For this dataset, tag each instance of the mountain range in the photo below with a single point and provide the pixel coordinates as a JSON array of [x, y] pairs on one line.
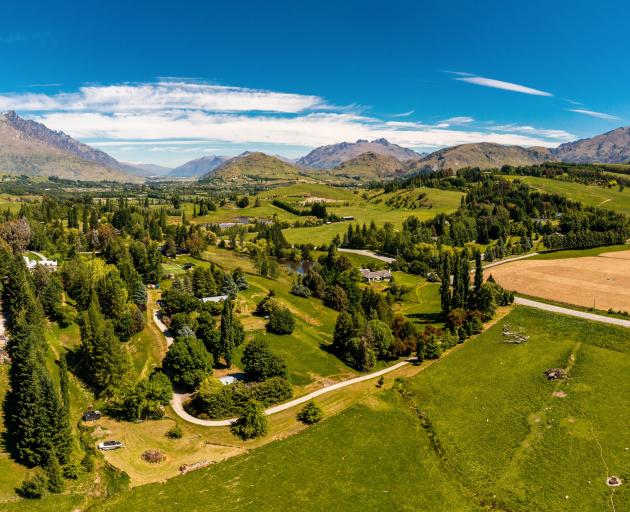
[[28, 147], [328, 157], [198, 167]]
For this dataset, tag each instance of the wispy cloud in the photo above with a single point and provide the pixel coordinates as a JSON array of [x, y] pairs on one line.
[[498, 84], [182, 117], [403, 114], [161, 96], [598, 115], [455, 121]]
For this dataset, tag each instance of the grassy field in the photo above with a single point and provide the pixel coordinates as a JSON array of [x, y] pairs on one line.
[[580, 253], [505, 433], [590, 195], [367, 458]]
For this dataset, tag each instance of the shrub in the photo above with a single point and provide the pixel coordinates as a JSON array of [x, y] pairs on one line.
[[311, 413], [252, 423], [34, 488], [301, 290], [72, 471], [175, 432], [281, 321]]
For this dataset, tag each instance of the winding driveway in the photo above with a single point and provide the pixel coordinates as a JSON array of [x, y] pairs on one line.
[[371, 254], [177, 402]]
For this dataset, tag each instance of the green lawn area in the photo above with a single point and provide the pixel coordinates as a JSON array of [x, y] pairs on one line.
[[580, 253], [503, 432], [590, 195], [371, 457]]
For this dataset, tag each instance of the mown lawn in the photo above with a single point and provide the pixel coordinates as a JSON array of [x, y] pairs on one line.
[[370, 457], [503, 432]]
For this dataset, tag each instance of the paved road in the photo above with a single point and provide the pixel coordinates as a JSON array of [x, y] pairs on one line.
[[178, 399], [371, 254], [572, 312]]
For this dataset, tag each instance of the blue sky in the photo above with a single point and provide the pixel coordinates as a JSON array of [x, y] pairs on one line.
[[164, 82]]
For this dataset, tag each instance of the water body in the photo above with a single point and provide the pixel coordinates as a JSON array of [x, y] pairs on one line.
[[301, 267]]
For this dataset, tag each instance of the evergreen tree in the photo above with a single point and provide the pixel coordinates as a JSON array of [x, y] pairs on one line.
[[445, 287], [105, 362], [478, 272], [231, 333]]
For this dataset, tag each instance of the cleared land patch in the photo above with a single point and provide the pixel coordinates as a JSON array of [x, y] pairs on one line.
[[600, 281]]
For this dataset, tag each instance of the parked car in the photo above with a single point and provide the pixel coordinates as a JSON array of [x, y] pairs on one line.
[[91, 416], [110, 445]]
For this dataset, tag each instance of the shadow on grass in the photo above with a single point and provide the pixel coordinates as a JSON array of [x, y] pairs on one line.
[[427, 318]]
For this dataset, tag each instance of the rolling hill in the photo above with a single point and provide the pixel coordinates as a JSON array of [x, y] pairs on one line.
[[328, 157], [484, 155], [252, 168], [198, 167], [30, 148]]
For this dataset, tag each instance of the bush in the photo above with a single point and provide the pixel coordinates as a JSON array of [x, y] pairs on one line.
[[175, 432], [153, 456], [252, 423], [301, 290], [72, 471], [311, 413], [33, 488], [281, 321], [213, 400]]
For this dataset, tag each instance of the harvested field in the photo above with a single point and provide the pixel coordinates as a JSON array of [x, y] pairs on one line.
[[602, 281]]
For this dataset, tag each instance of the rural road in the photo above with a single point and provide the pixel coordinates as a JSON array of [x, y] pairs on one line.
[[571, 312], [516, 258], [178, 399], [371, 254]]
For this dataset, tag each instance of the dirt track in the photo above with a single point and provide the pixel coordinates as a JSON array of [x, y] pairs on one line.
[[602, 281]]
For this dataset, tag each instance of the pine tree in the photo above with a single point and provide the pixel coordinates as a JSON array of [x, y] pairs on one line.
[[105, 361], [478, 272]]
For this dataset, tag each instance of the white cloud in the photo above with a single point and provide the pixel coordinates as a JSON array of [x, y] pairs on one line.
[[310, 130], [499, 84], [175, 119], [591, 113], [163, 95], [455, 121]]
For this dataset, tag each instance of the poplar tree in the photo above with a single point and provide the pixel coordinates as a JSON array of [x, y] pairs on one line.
[[232, 334]]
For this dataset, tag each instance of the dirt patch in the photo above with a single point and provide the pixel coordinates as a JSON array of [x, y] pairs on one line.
[[559, 394], [602, 281]]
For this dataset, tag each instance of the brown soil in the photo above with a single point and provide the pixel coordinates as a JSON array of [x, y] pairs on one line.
[[600, 280]]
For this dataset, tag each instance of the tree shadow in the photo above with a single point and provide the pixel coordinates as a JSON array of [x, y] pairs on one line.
[[427, 318]]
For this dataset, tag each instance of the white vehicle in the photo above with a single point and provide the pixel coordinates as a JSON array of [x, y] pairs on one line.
[[110, 445]]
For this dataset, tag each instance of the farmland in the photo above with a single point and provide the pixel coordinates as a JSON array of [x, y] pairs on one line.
[[600, 281]]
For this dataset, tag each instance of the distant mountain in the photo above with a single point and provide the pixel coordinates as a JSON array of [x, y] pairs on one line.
[[147, 170], [484, 155], [28, 147], [370, 166], [252, 168], [328, 157], [198, 167], [608, 148]]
